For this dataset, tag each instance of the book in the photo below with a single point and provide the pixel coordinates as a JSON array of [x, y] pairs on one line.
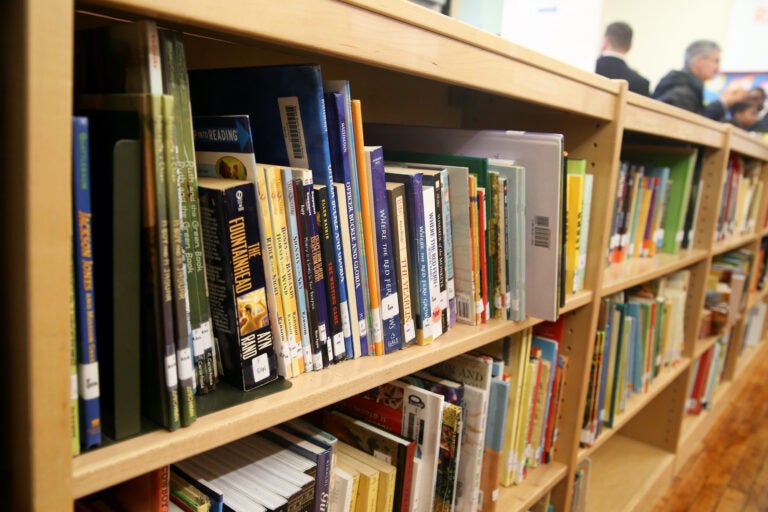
[[273, 180], [237, 282], [332, 287], [418, 266], [290, 191], [74, 412], [482, 246], [385, 498], [474, 371], [540, 151], [433, 263], [85, 298], [224, 149], [182, 329], [175, 83], [373, 440], [159, 375], [286, 108], [366, 499], [401, 249], [435, 180], [576, 170], [390, 314], [494, 442], [413, 412], [343, 163], [313, 272]]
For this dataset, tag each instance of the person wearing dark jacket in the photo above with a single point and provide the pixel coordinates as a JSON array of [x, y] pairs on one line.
[[685, 88], [616, 43]]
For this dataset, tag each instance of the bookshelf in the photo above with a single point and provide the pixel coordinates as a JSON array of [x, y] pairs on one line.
[[408, 65]]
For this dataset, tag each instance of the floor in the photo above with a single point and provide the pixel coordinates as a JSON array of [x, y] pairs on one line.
[[729, 472]]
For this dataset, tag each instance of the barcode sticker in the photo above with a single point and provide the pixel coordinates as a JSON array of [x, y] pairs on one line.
[[293, 131], [464, 308], [260, 365], [541, 231]]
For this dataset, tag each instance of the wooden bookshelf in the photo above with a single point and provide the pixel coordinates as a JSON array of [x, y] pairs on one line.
[[408, 65]]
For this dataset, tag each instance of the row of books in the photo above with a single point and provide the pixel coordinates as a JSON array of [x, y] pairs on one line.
[[727, 290], [440, 439], [705, 374], [261, 300], [641, 330], [754, 326], [655, 204], [741, 193]]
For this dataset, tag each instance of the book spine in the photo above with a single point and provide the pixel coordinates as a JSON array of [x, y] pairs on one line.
[[312, 264], [85, 300], [346, 243], [390, 314], [74, 408], [274, 299], [238, 284], [436, 182], [474, 237], [284, 267], [174, 58], [341, 165], [482, 235], [184, 364], [294, 233], [448, 247], [336, 343], [432, 259], [159, 261], [398, 227]]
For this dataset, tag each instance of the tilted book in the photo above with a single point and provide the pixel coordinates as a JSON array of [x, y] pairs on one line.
[[237, 282]]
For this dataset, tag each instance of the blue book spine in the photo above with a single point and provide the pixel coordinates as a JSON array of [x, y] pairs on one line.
[[298, 277], [418, 263], [448, 247], [638, 357], [340, 164], [390, 310], [604, 376], [85, 300]]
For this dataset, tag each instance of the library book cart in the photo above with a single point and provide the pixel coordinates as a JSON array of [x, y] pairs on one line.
[[408, 65]]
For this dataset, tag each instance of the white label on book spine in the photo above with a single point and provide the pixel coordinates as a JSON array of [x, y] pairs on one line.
[[444, 300], [73, 387], [322, 334], [382, 456], [450, 287], [293, 131], [378, 327], [346, 326], [293, 346], [410, 329], [260, 366], [389, 306], [582, 261], [184, 363], [171, 375], [89, 380], [363, 326], [198, 342], [624, 240], [309, 364], [338, 344], [679, 236]]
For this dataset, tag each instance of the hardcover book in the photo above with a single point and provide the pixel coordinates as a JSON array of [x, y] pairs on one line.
[[237, 282], [401, 249], [159, 375]]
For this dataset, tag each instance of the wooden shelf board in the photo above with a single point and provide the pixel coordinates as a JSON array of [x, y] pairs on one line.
[[626, 474], [646, 115], [577, 300], [749, 144], [704, 344], [732, 243], [109, 465], [635, 404], [538, 482], [620, 276], [391, 36]]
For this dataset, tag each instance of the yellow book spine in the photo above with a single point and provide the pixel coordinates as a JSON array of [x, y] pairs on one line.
[[573, 228], [276, 318], [284, 269]]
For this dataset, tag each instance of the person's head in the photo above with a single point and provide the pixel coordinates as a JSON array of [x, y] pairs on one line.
[[744, 114], [702, 58], [618, 37], [756, 96]]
